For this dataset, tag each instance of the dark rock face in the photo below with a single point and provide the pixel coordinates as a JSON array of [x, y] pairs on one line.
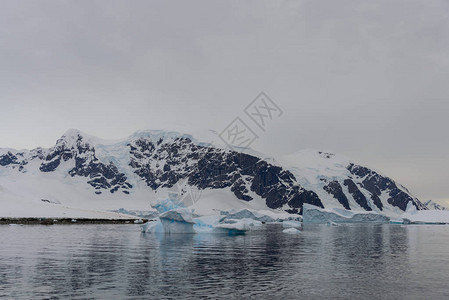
[[240, 191], [50, 166], [13, 160], [400, 199], [377, 184], [334, 188], [279, 187], [59, 152], [102, 176], [8, 159], [306, 197], [357, 194], [162, 164]]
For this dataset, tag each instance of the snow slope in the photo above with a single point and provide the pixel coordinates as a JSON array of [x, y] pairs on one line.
[[340, 183]]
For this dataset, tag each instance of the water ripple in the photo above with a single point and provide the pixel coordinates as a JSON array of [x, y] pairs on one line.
[[118, 262]]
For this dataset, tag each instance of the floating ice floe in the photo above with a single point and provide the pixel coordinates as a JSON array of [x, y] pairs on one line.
[[291, 231], [180, 220], [175, 218], [264, 216], [315, 215], [173, 222], [205, 224], [233, 228], [397, 221], [152, 227], [177, 221]]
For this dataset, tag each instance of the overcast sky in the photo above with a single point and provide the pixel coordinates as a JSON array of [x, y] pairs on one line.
[[367, 79]]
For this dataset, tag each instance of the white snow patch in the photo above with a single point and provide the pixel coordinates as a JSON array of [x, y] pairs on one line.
[[425, 216], [291, 231]]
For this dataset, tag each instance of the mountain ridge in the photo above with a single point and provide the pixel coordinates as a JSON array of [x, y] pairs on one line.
[[434, 206], [152, 161]]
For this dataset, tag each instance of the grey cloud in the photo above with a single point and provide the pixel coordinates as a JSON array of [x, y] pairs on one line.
[[362, 78]]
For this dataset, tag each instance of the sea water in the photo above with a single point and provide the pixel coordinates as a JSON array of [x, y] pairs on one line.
[[321, 262]]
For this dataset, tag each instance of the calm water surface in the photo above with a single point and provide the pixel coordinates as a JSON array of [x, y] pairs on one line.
[[119, 262]]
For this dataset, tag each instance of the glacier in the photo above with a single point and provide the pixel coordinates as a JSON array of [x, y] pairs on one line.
[[246, 214], [316, 215], [335, 216], [264, 216], [413, 216]]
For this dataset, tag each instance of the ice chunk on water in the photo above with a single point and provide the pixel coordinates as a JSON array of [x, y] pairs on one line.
[[172, 226], [247, 214], [179, 214], [180, 220], [150, 227], [291, 231], [397, 221], [315, 215], [232, 228], [177, 221], [291, 224], [206, 224]]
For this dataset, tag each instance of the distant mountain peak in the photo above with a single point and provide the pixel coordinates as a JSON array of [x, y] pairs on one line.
[[72, 132], [434, 206]]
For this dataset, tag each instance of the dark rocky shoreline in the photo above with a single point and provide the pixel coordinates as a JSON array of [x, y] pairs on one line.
[[64, 221]]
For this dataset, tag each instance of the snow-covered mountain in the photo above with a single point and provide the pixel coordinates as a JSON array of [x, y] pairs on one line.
[[434, 206], [89, 173]]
